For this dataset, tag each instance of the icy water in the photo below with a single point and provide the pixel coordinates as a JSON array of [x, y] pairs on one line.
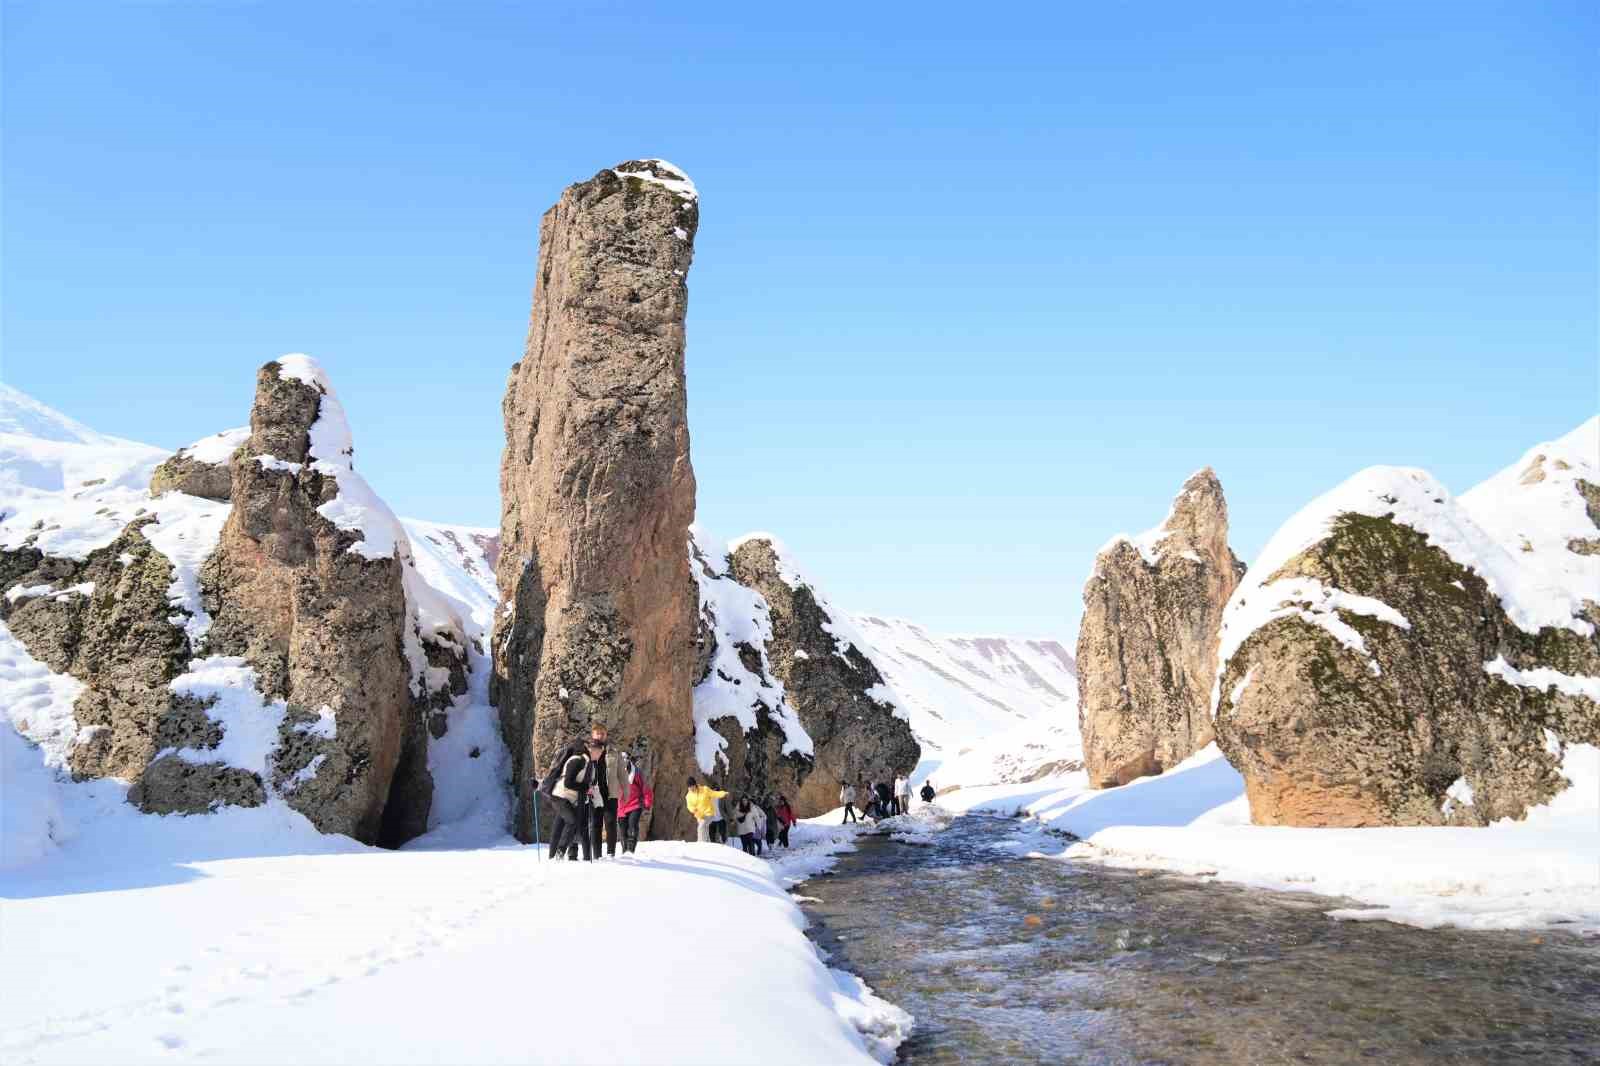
[[1004, 959]]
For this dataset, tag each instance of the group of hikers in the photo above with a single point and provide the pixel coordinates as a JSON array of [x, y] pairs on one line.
[[590, 789], [764, 823], [881, 799], [595, 792]]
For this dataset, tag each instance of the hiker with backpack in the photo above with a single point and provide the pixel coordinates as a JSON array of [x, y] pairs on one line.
[[884, 795], [702, 803], [570, 796], [847, 796], [597, 735], [786, 818], [633, 799]]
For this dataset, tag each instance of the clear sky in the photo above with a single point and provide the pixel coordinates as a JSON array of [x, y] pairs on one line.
[[974, 288]]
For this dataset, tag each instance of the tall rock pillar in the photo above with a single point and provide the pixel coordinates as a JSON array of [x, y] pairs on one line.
[[598, 608], [1147, 646]]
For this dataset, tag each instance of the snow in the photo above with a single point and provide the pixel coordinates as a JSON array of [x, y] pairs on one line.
[[1534, 510], [249, 723], [1543, 677], [187, 531], [679, 184], [739, 615], [217, 448], [1410, 497], [1195, 819], [245, 936], [64, 488]]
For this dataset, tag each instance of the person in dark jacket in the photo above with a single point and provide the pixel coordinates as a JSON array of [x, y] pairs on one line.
[[785, 818], [769, 808], [883, 793], [597, 733], [570, 798], [927, 792], [604, 811]]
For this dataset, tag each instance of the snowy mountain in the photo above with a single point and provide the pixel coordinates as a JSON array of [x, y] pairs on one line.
[[985, 708]]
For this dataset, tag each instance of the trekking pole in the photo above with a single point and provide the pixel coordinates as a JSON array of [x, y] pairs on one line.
[[536, 823]]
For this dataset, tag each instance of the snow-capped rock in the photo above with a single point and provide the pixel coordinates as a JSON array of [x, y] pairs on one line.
[[1147, 644], [1386, 645]]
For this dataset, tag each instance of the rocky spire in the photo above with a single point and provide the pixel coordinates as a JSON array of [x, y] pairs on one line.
[[1147, 645], [597, 619], [306, 586]]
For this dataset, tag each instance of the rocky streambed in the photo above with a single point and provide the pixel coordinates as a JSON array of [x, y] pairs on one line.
[[1003, 958]]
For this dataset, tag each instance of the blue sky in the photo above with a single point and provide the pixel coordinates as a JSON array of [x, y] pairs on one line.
[[974, 289]]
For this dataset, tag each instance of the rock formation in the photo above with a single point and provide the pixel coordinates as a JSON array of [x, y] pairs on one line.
[[307, 587], [836, 691], [270, 647], [748, 736], [1390, 662], [597, 619], [202, 469], [1147, 645]]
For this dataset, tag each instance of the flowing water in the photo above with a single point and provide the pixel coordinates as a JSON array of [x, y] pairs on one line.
[[1004, 959]]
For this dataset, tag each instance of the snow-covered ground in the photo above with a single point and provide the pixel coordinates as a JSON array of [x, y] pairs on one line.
[[1194, 818], [157, 940]]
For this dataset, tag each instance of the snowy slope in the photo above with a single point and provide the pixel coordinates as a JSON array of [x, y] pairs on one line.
[[986, 709], [1534, 509]]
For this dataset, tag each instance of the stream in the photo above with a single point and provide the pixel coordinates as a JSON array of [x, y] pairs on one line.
[[1002, 958]]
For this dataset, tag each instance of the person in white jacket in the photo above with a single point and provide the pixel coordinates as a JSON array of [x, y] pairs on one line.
[[751, 825], [847, 796], [902, 794]]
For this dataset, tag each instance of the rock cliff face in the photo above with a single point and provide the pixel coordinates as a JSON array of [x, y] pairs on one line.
[[597, 619], [306, 586], [1147, 644], [1390, 662], [836, 691]]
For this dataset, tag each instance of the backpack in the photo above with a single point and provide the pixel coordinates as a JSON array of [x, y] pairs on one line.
[[548, 784], [927, 793]]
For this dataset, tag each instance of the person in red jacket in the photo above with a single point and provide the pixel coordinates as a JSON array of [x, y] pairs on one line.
[[786, 818], [636, 798]]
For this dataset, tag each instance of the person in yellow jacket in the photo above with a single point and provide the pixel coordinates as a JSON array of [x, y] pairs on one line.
[[702, 803]]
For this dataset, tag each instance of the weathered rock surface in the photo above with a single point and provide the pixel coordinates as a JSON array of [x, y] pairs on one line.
[[1388, 662], [836, 691], [597, 619], [202, 469], [307, 586], [104, 620], [1147, 645], [749, 740]]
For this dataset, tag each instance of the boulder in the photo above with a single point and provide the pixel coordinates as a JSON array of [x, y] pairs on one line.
[[202, 469], [1147, 644], [597, 616], [1391, 661]]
